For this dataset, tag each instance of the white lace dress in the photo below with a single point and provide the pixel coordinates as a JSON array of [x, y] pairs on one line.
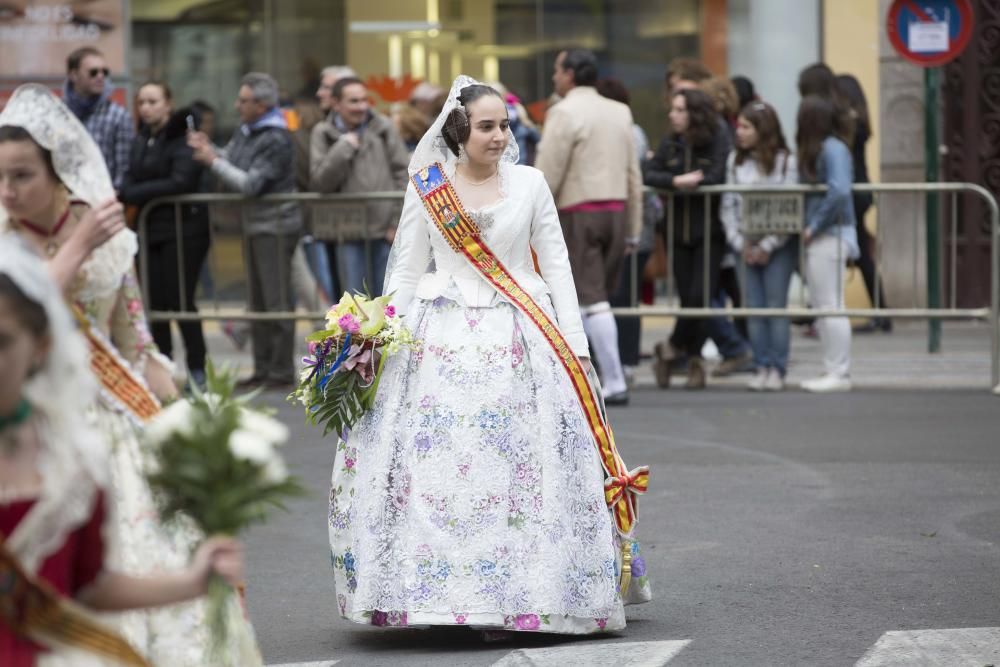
[[472, 493]]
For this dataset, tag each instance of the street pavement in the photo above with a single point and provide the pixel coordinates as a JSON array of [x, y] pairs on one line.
[[780, 529]]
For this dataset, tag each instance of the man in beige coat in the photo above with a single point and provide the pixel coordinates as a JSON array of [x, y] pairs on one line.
[[358, 150], [588, 157]]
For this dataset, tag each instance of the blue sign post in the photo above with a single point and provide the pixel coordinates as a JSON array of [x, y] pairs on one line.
[[930, 33]]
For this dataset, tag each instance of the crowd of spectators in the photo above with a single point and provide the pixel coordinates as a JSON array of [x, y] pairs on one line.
[[718, 130]]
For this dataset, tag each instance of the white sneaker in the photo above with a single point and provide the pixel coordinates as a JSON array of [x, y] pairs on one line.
[[774, 381], [758, 380], [827, 383]]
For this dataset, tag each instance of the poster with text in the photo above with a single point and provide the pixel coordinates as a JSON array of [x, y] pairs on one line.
[[37, 35]]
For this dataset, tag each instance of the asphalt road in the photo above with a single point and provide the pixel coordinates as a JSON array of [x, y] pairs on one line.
[[787, 529]]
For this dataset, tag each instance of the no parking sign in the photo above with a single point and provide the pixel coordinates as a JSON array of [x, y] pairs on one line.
[[930, 32]]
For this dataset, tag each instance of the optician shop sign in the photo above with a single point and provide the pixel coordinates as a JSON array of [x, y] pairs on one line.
[[930, 33], [36, 36]]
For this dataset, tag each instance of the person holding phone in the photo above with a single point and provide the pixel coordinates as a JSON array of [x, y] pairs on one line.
[[161, 164]]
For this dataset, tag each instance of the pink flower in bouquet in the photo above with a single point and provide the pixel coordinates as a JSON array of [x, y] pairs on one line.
[[349, 323], [313, 346], [390, 311]]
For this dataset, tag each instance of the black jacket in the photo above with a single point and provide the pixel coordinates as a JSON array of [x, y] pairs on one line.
[[673, 158], [162, 165]]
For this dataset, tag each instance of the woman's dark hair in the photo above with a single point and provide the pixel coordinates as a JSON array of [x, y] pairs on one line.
[[584, 66], [168, 94], [613, 89], [18, 133], [703, 121], [744, 90], [850, 89], [818, 79], [770, 139], [456, 127], [815, 123], [30, 314]]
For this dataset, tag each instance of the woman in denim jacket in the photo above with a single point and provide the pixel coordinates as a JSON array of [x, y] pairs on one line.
[[762, 158], [829, 234]]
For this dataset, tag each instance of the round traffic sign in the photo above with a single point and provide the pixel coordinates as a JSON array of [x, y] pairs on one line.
[[930, 32]]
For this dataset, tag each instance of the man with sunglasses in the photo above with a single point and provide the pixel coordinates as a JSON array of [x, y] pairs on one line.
[[87, 92]]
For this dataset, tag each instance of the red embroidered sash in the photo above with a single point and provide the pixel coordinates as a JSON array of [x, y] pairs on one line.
[[441, 201], [119, 383]]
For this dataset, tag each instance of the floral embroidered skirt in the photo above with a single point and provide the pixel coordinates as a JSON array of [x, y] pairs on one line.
[[139, 544], [472, 493]]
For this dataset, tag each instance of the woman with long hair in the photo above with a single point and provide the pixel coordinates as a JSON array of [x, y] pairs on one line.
[[851, 91], [829, 234], [693, 154], [57, 197], [471, 493], [162, 165], [762, 158]]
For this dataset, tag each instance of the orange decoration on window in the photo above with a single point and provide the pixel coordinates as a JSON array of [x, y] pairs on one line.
[[391, 89]]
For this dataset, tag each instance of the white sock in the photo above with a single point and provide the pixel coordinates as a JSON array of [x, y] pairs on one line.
[[600, 327]]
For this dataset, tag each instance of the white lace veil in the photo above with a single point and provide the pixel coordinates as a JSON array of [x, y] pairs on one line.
[[74, 460], [432, 148], [80, 166]]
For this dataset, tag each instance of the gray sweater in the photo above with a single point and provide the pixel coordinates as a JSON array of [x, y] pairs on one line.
[[260, 160], [378, 164]]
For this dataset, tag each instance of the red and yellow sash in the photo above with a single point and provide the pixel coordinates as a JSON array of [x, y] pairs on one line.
[[32, 609], [622, 485], [119, 383]]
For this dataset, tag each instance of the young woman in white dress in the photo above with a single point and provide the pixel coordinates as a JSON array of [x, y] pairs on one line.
[[57, 197], [472, 493]]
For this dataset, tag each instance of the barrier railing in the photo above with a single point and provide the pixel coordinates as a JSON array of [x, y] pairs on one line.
[[346, 203]]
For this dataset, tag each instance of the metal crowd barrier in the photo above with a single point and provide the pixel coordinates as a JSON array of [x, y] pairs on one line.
[[786, 206]]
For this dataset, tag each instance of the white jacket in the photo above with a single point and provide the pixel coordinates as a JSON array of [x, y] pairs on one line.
[[523, 220]]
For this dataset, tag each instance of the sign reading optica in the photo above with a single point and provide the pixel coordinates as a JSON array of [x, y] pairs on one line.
[[930, 32]]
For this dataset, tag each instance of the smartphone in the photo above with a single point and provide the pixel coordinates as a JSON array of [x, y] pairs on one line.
[[190, 123]]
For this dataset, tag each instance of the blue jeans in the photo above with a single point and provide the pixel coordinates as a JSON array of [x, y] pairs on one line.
[[767, 286], [319, 264], [358, 270], [723, 332]]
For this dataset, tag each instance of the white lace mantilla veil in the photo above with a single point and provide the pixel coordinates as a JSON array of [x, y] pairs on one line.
[[74, 459], [80, 166], [432, 148]]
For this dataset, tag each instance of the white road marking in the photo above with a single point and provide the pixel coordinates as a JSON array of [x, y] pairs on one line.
[[974, 647], [620, 654], [320, 663]]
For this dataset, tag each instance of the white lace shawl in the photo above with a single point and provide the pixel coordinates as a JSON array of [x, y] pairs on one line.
[[73, 461], [80, 166]]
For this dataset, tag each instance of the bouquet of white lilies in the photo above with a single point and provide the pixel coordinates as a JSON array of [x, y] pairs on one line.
[[216, 463]]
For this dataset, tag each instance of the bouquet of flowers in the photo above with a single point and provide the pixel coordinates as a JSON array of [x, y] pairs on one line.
[[341, 374], [215, 463]]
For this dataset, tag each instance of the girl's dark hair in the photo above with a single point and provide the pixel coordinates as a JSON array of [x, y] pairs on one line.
[[851, 91], [815, 123], [30, 314], [456, 127], [18, 133], [770, 139], [744, 90], [613, 89], [818, 79], [703, 121]]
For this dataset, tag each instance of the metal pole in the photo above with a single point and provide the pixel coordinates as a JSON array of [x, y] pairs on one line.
[[931, 77]]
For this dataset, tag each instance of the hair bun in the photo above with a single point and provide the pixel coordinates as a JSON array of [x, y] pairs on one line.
[[456, 129]]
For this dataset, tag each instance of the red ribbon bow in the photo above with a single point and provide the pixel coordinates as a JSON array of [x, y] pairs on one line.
[[620, 493]]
